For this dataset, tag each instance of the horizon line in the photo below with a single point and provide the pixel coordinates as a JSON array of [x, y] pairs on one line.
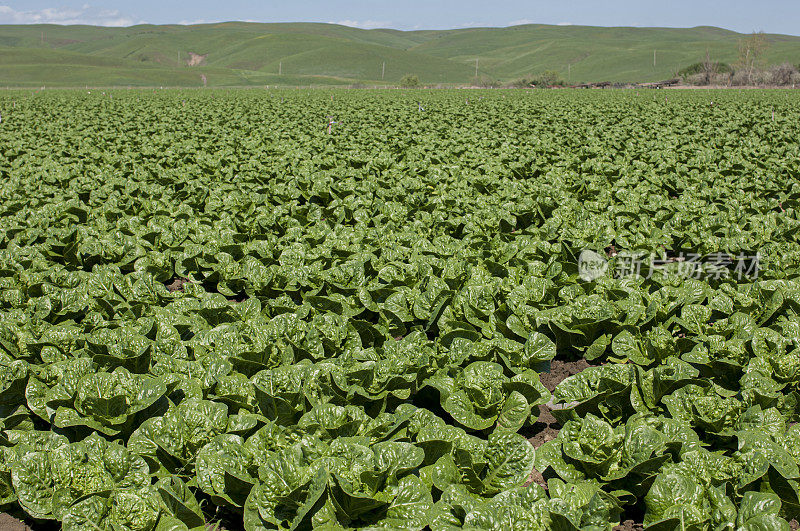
[[388, 28]]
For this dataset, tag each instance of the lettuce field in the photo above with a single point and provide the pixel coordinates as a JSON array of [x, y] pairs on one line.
[[485, 310]]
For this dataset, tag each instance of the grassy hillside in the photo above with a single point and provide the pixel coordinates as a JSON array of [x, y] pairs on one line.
[[238, 53], [593, 53]]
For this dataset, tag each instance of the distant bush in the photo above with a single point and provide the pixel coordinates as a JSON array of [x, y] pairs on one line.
[[782, 74], [695, 79], [409, 81], [522, 82], [483, 81], [700, 68], [702, 79], [740, 78], [743, 78], [549, 78]]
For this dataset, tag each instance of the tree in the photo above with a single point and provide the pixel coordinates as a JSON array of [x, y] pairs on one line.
[[548, 78], [700, 69], [409, 81], [751, 54], [709, 69]]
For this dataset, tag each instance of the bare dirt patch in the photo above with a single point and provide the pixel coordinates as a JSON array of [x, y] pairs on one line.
[[195, 59], [629, 525], [9, 523], [560, 371], [546, 427], [176, 284]]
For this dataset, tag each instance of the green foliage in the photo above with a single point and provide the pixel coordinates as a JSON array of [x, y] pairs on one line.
[[409, 81], [522, 82], [549, 78], [700, 68], [358, 318]]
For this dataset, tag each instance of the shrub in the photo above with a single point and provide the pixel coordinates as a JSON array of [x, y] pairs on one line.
[[522, 82], [700, 68], [483, 81], [409, 81], [548, 78], [782, 74], [702, 79]]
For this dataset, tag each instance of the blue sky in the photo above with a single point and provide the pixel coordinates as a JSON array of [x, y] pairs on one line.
[[773, 16]]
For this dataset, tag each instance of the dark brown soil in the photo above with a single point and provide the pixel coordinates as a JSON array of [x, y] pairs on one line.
[[561, 370], [9, 523], [538, 478], [546, 428], [176, 284], [628, 525]]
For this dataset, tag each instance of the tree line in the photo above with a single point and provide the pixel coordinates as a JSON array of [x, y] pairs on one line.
[[750, 69]]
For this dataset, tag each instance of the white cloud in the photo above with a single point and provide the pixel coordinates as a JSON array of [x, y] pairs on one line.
[[363, 24], [201, 21], [565, 24], [521, 22], [470, 25], [66, 16], [195, 22]]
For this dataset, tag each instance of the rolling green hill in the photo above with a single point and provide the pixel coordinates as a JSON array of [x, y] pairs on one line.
[[238, 53]]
